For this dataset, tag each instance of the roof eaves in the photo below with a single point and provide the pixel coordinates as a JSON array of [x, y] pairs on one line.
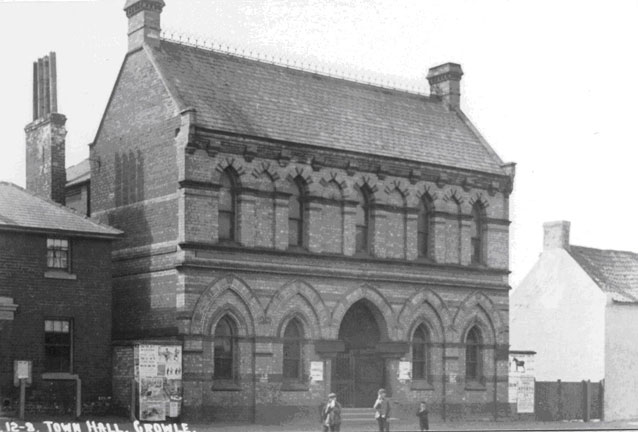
[[114, 234]]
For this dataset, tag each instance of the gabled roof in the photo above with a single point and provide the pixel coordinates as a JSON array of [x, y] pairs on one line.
[[78, 173], [615, 272], [21, 210], [238, 95]]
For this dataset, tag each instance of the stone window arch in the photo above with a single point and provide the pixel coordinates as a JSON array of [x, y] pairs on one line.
[[293, 339], [425, 237], [474, 355], [225, 349], [296, 214], [227, 210], [421, 348]]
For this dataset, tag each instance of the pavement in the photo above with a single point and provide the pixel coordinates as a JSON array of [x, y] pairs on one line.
[[118, 424]]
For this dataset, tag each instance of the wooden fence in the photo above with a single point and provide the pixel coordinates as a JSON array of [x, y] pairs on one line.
[[569, 400]]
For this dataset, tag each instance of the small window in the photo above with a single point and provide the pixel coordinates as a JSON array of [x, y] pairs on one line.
[[362, 221], [293, 358], [420, 354], [224, 349], [295, 216], [477, 235], [473, 364], [58, 254], [424, 228], [58, 346], [227, 207]]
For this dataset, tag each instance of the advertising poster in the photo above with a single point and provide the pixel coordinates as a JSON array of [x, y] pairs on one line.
[[525, 399], [316, 371], [521, 369], [158, 370], [405, 370]]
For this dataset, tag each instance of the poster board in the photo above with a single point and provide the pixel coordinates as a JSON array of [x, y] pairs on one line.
[[521, 380], [405, 370], [316, 370], [158, 372]]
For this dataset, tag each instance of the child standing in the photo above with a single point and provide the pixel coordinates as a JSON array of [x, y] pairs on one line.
[[422, 414]]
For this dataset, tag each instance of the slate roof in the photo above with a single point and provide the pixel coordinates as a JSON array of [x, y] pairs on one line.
[[238, 95], [24, 211], [78, 173], [615, 272]]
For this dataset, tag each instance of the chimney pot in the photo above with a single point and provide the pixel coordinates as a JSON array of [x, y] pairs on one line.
[[556, 235], [445, 82]]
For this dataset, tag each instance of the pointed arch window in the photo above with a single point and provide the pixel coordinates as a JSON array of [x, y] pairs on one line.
[[225, 351], [478, 235], [421, 353], [362, 223], [227, 219], [424, 228], [293, 351], [473, 363], [296, 215]]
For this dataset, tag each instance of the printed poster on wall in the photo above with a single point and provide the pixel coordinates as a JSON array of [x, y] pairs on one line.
[[405, 370], [316, 371], [520, 365], [158, 369], [525, 399]]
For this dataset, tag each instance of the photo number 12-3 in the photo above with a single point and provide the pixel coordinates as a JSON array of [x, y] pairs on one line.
[[15, 427]]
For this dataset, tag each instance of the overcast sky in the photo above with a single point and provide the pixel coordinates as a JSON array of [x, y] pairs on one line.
[[552, 85]]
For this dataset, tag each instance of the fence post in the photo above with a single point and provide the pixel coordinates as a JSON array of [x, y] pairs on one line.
[[559, 392], [587, 400], [601, 398]]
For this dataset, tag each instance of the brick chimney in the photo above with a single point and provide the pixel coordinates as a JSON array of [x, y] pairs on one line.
[[556, 235], [143, 22], [445, 82], [46, 135]]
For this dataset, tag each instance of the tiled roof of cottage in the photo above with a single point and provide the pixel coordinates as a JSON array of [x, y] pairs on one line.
[[615, 272], [78, 173], [22, 210], [238, 95]]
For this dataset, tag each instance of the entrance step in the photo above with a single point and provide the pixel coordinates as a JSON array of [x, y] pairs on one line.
[[359, 415]]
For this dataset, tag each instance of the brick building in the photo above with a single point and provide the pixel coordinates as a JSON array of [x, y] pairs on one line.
[[279, 221], [55, 301], [55, 273]]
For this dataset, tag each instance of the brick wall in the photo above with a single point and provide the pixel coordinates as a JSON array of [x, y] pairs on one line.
[[86, 300]]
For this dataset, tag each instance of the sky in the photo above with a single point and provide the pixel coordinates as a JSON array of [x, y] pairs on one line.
[[551, 84]]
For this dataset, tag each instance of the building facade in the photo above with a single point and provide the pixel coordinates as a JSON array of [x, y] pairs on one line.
[[299, 234], [55, 303], [590, 293]]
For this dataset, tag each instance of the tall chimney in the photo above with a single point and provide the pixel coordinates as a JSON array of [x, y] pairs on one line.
[[143, 22], [556, 235], [46, 135], [445, 82]]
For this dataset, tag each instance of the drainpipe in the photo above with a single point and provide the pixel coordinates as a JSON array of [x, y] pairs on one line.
[[444, 402], [495, 382], [254, 367]]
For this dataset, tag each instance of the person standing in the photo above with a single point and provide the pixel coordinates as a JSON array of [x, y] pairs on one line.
[[331, 414], [382, 414], [422, 414]]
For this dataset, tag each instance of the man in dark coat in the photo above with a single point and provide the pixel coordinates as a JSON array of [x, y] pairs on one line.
[[382, 411], [330, 414]]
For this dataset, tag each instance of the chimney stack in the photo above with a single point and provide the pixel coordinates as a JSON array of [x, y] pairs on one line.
[[46, 135], [143, 22], [556, 235], [445, 82]]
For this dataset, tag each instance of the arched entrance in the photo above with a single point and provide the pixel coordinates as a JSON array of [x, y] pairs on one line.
[[359, 371]]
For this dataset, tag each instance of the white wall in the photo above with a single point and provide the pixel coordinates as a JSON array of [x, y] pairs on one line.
[[559, 312], [621, 362]]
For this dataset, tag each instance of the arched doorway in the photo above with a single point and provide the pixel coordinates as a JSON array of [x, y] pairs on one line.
[[359, 371]]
